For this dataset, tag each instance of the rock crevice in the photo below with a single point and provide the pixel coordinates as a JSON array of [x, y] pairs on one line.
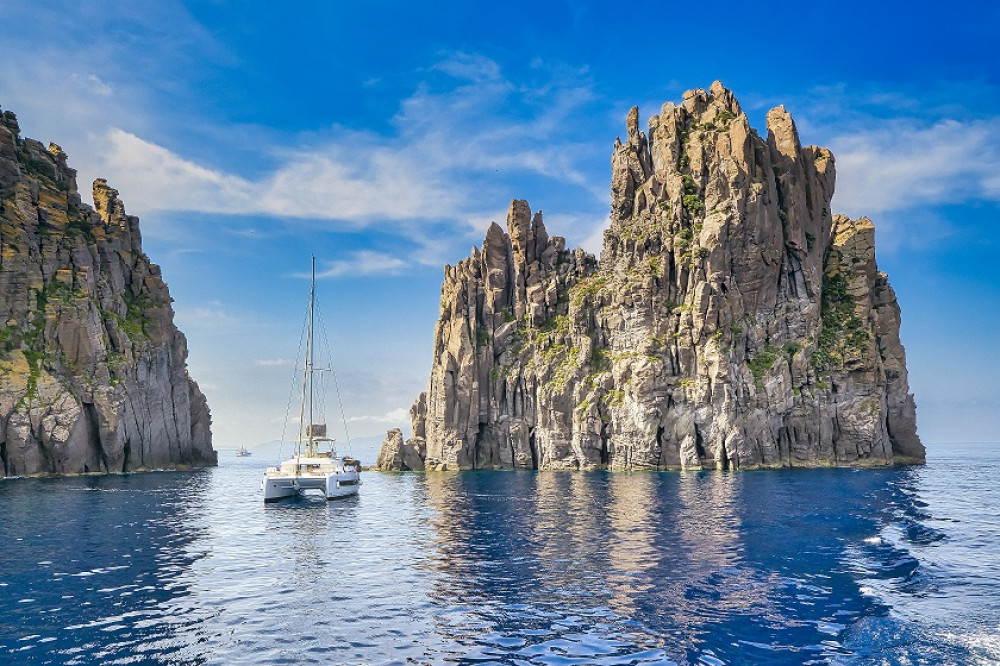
[[732, 322]]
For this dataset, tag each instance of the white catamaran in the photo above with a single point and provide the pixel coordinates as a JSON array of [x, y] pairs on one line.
[[311, 468]]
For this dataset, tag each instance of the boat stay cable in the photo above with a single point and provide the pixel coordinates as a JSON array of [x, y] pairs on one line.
[[325, 340], [291, 389]]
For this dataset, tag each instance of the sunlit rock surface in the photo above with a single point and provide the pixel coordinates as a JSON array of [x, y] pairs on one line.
[[733, 321], [93, 374]]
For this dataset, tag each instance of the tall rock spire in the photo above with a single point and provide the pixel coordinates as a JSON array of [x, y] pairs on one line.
[[732, 322], [94, 375]]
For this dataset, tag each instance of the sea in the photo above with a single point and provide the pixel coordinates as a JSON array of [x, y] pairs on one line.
[[829, 566]]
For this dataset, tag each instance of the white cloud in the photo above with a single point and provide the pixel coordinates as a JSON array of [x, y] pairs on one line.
[[400, 415], [470, 66], [594, 243], [151, 177], [365, 262], [901, 149], [579, 230], [992, 187], [211, 315], [912, 229], [898, 164], [273, 362], [328, 184], [458, 149], [68, 85], [451, 153]]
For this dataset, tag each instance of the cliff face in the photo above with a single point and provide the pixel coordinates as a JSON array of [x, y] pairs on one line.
[[732, 321], [92, 370]]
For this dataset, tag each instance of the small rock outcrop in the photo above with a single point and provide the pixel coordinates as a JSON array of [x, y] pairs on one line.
[[93, 374], [396, 454], [732, 321]]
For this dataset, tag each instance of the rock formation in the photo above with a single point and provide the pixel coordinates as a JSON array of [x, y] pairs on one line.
[[732, 322], [93, 374], [396, 454]]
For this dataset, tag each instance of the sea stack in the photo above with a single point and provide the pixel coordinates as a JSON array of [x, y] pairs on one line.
[[93, 373], [732, 322]]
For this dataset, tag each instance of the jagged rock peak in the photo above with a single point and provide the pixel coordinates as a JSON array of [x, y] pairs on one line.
[[395, 454], [732, 322], [106, 202], [94, 375]]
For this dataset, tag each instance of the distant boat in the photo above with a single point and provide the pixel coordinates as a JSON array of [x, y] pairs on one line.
[[243, 452], [311, 468]]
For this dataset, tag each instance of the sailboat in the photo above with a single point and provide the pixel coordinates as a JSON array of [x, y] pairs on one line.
[[243, 452], [315, 465]]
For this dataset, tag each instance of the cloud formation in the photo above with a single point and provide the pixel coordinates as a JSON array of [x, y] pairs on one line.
[[449, 147], [365, 262], [273, 362], [895, 164], [400, 415]]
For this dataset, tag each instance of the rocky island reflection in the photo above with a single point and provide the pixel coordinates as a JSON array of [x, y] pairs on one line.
[[830, 566], [651, 566]]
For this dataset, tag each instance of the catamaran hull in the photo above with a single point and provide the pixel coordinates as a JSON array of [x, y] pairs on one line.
[[334, 486]]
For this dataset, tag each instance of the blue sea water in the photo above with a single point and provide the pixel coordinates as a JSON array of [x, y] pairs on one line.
[[835, 566]]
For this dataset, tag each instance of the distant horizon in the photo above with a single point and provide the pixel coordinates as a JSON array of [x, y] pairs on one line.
[[248, 137]]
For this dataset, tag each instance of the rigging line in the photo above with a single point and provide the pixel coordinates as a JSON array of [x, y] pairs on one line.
[[322, 380], [291, 390], [336, 384], [310, 366]]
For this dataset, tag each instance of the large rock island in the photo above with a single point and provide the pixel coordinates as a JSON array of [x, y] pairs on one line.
[[732, 322], [93, 374]]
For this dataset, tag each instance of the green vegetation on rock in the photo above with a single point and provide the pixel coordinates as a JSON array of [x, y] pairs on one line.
[[693, 204], [482, 337], [647, 356], [763, 361], [587, 289], [843, 330]]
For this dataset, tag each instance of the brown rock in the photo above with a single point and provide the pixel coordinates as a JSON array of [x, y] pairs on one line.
[[397, 455], [732, 322], [94, 375]]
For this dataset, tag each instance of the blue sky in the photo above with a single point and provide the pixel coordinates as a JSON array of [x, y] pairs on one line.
[[384, 136]]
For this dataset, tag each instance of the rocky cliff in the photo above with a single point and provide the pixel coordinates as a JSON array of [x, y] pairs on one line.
[[94, 375], [732, 321]]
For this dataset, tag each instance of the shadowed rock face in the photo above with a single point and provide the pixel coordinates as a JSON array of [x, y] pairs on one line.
[[732, 322], [93, 374]]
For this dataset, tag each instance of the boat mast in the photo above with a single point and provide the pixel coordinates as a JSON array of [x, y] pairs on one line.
[[309, 362]]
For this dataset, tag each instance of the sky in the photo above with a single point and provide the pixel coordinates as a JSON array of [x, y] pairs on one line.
[[383, 137]]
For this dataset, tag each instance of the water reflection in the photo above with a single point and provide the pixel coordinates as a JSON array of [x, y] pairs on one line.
[[608, 559], [310, 528], [567, 524], [628, 568], [633, 516], [502, 568]]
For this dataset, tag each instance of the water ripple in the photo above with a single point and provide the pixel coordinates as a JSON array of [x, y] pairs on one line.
[[821, 567]]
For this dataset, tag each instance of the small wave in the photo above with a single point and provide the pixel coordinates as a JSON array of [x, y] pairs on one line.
[[918, 533], [983, 646]]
